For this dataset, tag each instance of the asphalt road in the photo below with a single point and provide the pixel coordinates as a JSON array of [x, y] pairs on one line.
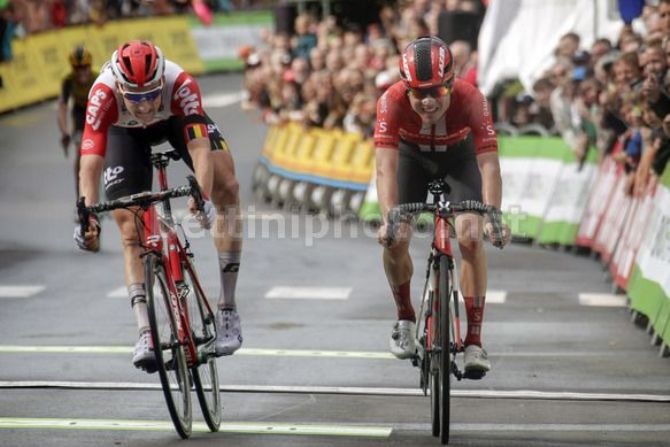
[[312, 371]]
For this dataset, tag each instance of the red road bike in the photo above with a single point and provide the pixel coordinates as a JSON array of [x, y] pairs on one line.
[[182, 324], [438, 325]]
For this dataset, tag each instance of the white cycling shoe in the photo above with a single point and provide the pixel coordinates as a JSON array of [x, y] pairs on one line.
[[144, 357], [476, 360], [403, 342], [228, 332]]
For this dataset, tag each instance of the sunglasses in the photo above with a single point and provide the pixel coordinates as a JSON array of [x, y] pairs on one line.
[[150, 95], [433, 92]]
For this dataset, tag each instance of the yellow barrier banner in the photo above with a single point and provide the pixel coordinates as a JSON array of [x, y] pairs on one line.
[[41, 61]]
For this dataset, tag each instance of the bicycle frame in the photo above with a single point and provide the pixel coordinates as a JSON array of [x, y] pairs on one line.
[[175, 258]]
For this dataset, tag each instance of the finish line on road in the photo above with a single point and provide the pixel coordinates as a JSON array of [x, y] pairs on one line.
[[263, 352], [8, 349], [226, 427], [365, 391]]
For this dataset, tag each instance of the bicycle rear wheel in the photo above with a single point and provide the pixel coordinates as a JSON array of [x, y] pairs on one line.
[[170, 358], [444, 365], [204, 372]]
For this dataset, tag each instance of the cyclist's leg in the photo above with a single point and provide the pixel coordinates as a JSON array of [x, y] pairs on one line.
[[227, 233], [128, 171], [465, 179], [412, 187]]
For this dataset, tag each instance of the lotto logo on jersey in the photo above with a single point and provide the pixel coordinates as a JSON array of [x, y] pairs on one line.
[[93, 115], [188, 101]]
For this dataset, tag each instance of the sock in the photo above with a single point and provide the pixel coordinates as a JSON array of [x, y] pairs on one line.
[[138, 301], [403, 302], [229, 262], [474, 308]]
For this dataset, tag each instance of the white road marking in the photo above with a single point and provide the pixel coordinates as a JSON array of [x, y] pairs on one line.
[[221, 100], [20, 291], [380, 391], [483, 428], [496, 296], [278, 352], [602, 300], [309, 293], [282, 429], [122, 292]]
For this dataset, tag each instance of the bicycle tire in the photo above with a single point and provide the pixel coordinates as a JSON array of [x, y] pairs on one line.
[[204, 371], [170, 357], [445, 350], [433, 376]]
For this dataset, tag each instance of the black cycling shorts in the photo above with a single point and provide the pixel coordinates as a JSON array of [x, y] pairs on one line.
[[128, 167], [457, 165]]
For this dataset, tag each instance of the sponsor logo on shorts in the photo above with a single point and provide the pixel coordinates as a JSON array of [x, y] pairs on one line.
[[111, 176]]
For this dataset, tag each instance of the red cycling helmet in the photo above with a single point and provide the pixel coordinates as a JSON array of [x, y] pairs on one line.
[[137, 64], [426, 62]]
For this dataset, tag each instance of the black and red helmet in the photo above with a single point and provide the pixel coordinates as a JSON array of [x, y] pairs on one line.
[[426, 62], [137, 64]]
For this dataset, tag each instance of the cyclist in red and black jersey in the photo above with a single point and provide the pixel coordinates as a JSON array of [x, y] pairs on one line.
[[141, 100], [430, 125], [76, 85]]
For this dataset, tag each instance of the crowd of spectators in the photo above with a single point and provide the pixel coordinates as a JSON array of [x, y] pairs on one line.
[[613, 94], [19, 18], [330, 74]]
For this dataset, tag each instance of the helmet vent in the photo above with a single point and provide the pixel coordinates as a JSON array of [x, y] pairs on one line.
[[147, 65], [422, 59], [128, 65]]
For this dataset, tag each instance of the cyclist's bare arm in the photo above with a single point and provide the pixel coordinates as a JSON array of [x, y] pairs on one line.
[[62, 116], [387, 191], [200, 151], [90, 170], [489, 166]]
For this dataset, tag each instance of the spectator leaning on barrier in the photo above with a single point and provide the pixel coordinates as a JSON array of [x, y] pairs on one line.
[[75, 86]]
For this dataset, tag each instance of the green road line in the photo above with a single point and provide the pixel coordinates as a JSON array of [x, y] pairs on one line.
[[253, 352], [231, 427]]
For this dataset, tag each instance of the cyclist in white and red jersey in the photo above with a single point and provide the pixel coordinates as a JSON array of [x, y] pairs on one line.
[[140, 100], [430, 125]]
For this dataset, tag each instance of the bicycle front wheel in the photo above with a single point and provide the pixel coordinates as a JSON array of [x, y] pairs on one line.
[[444, 365], [203, 370], [431, 357], [170, 358]]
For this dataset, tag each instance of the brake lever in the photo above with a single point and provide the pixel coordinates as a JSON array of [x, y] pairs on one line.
[[83, 213]]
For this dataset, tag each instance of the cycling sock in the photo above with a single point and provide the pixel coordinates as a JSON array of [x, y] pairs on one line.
[[474, 308], [229, 263], [403, 302], [138, 301]]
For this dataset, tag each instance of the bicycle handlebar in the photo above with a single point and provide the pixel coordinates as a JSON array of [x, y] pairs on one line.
[[142, 199], [399, 212]]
